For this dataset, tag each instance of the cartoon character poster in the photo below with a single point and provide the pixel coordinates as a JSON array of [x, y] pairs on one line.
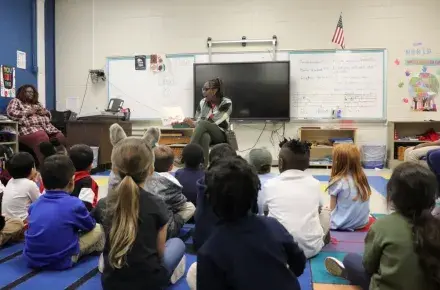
[[7, 81], [422, 78]]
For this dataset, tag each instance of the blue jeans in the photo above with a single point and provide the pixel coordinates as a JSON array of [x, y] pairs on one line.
[[356, 273], [174, 251]]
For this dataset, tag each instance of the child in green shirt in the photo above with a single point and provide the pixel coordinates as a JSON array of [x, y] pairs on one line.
[[402, 250]]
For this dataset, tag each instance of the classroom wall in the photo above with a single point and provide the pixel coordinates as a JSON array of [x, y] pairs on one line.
[[17, 29], [89, 31], [23, 25]]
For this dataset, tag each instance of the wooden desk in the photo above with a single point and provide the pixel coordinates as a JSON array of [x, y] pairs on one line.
[[95, 133]]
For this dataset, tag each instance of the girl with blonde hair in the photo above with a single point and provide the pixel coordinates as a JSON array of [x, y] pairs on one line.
[[136, 253], [349, 190]]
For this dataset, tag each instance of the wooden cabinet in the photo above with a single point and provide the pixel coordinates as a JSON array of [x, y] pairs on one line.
[[95, 133], [322, 147]]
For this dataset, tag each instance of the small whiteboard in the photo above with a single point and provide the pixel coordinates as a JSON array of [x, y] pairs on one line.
[[352, 81], [147, 93]]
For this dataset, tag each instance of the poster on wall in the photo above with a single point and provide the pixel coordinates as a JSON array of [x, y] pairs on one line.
[[157, 63], [7, 81], [21, 59], [421, 71], [140, 62]]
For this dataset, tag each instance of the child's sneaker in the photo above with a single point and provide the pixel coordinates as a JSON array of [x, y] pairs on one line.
[[179, 271], [335, 267]]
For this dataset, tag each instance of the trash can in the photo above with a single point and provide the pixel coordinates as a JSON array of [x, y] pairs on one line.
[[374, 156]]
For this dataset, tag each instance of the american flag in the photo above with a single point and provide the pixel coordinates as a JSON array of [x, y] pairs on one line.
[[338, 36]]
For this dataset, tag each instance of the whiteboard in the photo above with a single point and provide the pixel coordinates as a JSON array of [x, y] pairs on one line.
[[320, 82], [350, 81], [146, 93]]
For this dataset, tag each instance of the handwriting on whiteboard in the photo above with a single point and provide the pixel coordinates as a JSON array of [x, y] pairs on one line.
[[321, 83]]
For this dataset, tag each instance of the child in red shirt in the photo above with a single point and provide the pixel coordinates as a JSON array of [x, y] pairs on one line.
[[86, 188]]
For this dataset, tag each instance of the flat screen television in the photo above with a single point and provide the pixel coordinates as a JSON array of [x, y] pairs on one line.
[[258, 90]]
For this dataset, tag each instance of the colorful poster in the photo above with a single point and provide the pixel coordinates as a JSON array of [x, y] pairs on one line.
[[7, 81], [423, 88], [423, 84], [157, 63]]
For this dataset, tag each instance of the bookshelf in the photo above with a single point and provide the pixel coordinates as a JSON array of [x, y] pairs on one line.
[[402, 135], [321, 150]]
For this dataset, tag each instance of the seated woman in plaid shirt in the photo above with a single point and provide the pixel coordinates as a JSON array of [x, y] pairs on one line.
[[34, 125]]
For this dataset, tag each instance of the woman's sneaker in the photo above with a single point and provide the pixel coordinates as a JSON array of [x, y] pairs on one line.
[[179, 271], [335, 267]]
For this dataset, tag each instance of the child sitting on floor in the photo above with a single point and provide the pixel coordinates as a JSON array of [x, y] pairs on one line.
[[47, 149], [349, 190], [261, 160], [402, 250], [11, 229], [294, 198], [61, 229], [246, 251], [192, 157], [136, 253], [205, 218], [86, 188], [163, 184], [21, 190]]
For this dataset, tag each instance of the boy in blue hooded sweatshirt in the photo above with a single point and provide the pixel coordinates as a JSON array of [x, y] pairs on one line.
[[61, 229]]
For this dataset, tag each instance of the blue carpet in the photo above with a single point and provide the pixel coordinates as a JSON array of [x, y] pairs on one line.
[[322, 178], [305, 280], [9, 250], [60, 279], [104, 173], [320, 274], [13, 270], [92, 284], [379, 184]]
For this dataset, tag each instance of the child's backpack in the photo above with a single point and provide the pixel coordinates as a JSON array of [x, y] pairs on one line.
[[6, 153]]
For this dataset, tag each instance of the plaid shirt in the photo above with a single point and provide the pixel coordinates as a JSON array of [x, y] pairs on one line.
[[29, 120]]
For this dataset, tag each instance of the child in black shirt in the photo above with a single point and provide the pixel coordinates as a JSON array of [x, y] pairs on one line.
[[136, 255], [245, 251]]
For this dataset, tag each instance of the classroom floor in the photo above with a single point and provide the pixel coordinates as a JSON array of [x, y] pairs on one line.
[[85, 275]]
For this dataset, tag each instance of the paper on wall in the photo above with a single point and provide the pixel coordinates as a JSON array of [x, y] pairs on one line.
[[7, 81], [172, 115], [21, 59], [72, 104]]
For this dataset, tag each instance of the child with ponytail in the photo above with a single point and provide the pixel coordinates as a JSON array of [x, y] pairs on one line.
[[136, 253], [349, 190], [402, 250]]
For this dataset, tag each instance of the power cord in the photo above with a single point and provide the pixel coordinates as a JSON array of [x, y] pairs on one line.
[[258, 139], [85, 93]]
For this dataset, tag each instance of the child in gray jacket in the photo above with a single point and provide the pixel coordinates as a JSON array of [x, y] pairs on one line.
[[165, 185]]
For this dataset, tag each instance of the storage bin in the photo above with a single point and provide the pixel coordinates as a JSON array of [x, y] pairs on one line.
[[374, 156]]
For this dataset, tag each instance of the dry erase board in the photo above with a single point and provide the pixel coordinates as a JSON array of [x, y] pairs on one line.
[[352, 81], [146, 92]]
